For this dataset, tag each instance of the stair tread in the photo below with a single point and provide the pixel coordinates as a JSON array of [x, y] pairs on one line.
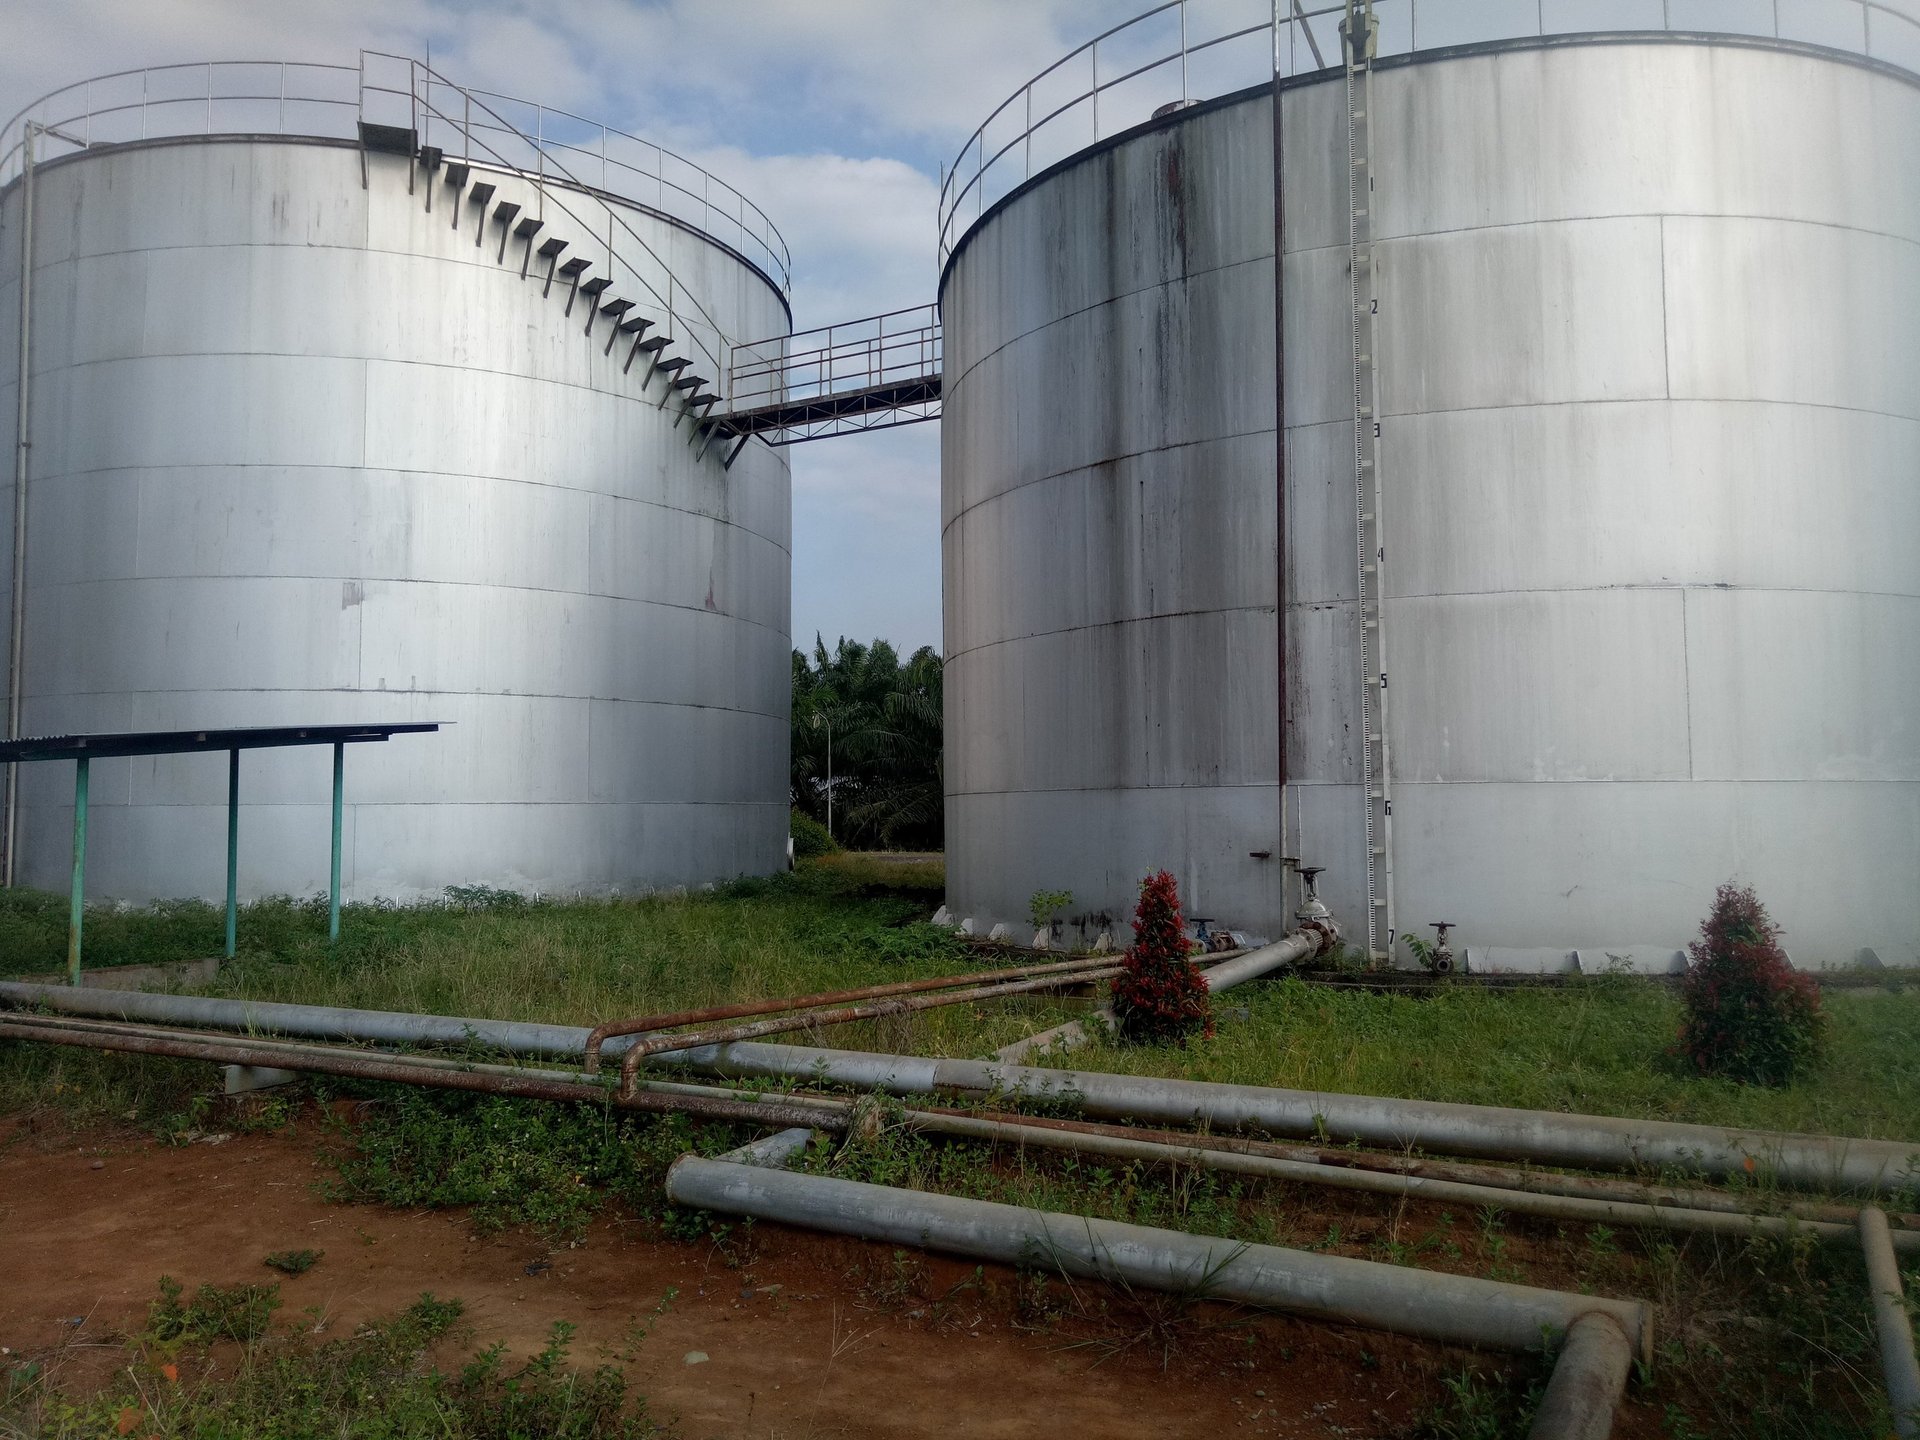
[[551, 246]]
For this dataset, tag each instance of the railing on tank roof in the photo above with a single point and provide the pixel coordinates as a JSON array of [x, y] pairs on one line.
[[286, 97], [1185, 51]]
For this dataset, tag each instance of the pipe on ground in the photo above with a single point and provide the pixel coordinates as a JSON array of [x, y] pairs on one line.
[[1588, 1380], [1413, 1187], [1814, 1162], [713, 1014], [1454, 1309], [1500, 1177], [1808, 1162], [1266, 1162], [1891, 1324], [1289, 950]]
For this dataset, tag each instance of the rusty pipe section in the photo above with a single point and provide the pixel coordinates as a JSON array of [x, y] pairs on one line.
[[1313, 938], [1496, 1177], [1121, 1145], [1540, 1137], [410, 1070], [1478, 1186], [661, 1044], [643, 1024], [1812, 1162]]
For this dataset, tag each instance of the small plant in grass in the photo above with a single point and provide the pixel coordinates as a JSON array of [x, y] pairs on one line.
[[1159, 996], [216, 1312], [1042, 904], [293, 1262], [1750, 1016]]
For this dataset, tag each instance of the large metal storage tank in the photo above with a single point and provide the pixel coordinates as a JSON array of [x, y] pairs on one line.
[[1650, 407], [306, 446]]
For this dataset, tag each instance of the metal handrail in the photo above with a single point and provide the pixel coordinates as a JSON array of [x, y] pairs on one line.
[[423, 110], [327, 100], [852, 355], [723, 212], [1287, 33]]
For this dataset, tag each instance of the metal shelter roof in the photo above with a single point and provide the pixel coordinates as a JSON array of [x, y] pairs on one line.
[[180, 742]]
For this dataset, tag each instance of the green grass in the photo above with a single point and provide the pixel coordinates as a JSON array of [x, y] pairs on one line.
[[1804, 1369], [843, 921], [379, 1383], [1596, 1047]]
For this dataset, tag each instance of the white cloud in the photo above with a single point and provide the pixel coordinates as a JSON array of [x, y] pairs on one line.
[[827, 113]]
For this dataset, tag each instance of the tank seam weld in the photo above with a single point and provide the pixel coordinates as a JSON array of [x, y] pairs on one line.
[[1396, 240], [447, 584]]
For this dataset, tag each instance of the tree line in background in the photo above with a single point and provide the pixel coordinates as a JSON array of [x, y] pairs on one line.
[[880, 718]]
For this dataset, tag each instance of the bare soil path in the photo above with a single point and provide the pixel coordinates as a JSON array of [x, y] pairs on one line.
[[804, 1336]]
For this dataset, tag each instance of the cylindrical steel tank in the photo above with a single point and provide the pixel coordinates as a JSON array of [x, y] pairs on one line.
[[1650, 410], [314, 438]]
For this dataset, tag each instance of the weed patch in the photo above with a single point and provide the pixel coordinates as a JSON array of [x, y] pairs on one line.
[[552, 1168], [377, 1383]]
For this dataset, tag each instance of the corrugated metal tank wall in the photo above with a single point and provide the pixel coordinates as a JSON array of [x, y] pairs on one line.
[[1651, 407], [302, 451]]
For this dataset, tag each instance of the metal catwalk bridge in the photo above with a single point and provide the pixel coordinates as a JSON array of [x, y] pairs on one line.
[[869, 374]]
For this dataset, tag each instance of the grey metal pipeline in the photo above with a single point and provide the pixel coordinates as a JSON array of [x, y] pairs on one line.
[[1290, 949], [409, 1070], [1890, 1323], [1413, 1187], [1488, 1187], [1809, 1162], [1587, 1382], [1500, 1177], [1454, 1309], [1814, 1162]]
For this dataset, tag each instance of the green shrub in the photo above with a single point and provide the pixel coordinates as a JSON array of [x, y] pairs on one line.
[[1750, 1016], [810, 837]]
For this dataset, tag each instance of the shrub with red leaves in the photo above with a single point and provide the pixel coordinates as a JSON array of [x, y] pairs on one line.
[[1750, 1016], [1160, 996]]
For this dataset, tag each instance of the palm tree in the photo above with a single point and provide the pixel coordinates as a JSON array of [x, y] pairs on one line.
[[884, 718]]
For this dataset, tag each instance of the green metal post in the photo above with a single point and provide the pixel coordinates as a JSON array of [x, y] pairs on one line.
[[233, 849], [333, 893], [76, 911]]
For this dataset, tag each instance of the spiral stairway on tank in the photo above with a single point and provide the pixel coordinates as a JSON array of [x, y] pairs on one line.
[[467, 186]]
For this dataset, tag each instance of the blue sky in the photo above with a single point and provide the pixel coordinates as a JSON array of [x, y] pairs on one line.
[[833, 115]]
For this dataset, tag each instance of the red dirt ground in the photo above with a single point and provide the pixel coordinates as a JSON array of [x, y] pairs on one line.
[[811, 1337]]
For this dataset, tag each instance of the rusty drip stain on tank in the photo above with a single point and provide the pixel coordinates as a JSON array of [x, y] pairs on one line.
[[1171, 174]]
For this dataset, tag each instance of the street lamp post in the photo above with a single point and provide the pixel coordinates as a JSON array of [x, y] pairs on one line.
[[818, 721]]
